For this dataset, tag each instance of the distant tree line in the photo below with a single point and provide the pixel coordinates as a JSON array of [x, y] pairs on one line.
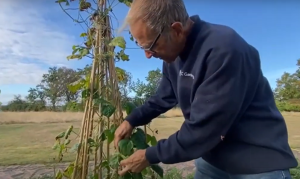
[[53, 92]]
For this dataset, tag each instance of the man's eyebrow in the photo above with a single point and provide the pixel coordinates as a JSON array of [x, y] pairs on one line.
[[146, 44]]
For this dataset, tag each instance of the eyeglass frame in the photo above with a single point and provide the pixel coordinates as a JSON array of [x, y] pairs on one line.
[[153, 43]]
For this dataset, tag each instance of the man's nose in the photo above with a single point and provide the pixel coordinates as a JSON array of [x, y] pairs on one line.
[[148, 54]]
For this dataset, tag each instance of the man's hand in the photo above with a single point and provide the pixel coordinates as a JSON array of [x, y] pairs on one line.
[[135, 163], [122, 132]]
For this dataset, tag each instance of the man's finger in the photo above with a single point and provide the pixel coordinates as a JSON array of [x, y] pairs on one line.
[[124, 170], [124, 162]]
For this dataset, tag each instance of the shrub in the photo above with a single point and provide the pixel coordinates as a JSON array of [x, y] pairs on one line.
[[288, 107]]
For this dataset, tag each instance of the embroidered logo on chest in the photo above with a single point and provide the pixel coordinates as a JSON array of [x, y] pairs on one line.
[[181, 73]]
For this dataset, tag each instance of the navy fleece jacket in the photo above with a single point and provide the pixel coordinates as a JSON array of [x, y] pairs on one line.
[[231, 119]]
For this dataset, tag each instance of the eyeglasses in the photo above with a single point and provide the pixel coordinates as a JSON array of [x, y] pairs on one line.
[[149, 49]]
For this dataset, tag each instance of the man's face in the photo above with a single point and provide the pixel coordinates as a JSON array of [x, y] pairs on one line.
[[155, 45]]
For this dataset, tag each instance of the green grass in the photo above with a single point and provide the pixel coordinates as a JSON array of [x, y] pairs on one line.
[[295, 172], [29, 143], [32, 143]]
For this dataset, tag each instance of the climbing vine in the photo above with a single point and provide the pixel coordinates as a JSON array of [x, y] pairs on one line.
[[99, 91]]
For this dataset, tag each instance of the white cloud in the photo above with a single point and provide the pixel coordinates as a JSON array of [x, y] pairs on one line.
[[29, 43]]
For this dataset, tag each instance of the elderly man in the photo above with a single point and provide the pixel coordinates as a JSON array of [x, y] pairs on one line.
[[232, 126]]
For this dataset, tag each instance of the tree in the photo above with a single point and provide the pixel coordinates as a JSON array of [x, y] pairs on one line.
[[32, 96], [55, 85], [288, 86], [146, 89], [51, 86], [17, 104], [68, 76], [153, 79], [125, 86], [41, 96], [287, 91], [36, 99]]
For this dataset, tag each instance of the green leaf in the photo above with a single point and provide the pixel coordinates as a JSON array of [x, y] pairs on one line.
[[55, 146], [84, 52], [96, 176], [75, 147], [83, 34], [139, 139], [68, 132], [157, 169], [115, 160], [137, 176], [126, 2], [59, 175], [75, 51], [129, 107], [74, 47], [67, 141], [91, 142], [153, 141], [59, 136], [123, 56], [107, 109], [71, 57], [102, 137], [126, 147], [77, 85], [121, 74], [113, 128], [85, 93], [104, 164], [118, 41], [69, 170], [148, 138], [145, 171], [127, 176], [109, 135]]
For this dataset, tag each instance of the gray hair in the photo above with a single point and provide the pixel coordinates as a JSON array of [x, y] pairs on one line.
[[157, 14]]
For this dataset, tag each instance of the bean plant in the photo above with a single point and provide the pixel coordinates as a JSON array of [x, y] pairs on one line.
[[99, 91]]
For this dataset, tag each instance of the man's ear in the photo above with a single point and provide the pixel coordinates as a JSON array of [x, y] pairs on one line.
[[177, 27]]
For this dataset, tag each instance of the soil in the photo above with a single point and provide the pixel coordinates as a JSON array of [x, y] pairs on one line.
[[37, 170]]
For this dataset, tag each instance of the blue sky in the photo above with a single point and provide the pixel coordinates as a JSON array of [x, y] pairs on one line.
[[36, 35]]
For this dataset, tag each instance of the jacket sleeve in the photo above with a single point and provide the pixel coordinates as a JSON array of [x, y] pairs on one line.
[[216, 105], [163, 100]]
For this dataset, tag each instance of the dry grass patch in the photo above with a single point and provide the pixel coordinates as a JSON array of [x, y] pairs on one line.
[[39, 117], [293, 125], [31, 142], [56, 117]]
